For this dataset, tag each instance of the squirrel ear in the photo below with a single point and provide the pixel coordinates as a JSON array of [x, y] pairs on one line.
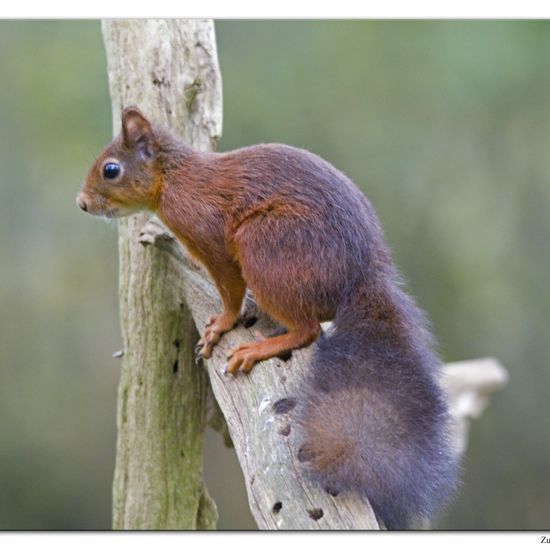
[[137, 132]]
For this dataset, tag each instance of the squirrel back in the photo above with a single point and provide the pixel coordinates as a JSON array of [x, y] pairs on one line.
[[305, 240]]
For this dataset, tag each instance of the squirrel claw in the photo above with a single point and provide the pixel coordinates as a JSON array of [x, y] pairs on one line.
[[205, 350], [242, 358], [226, 372], [206, 344], [199, 353], [213, 330], [209, 339]]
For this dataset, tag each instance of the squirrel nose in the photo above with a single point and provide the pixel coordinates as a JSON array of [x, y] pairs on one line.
[[81, 203]]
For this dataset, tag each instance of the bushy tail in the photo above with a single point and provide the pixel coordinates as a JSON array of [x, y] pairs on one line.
[[373, 416]]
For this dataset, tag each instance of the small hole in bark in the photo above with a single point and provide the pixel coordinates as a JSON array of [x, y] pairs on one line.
[[250, 322], [277, 507], [285, 430], [285, 356], [331, 491], [177, 344], [315, 514], [175, 366], [305, 454], [284, 405]]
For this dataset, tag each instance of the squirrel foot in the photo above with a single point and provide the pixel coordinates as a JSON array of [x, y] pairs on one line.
[[214, 329], [245, 356]]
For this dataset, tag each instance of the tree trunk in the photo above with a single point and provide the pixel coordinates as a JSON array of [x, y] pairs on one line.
[[170, 70]]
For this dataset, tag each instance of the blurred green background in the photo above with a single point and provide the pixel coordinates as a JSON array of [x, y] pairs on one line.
[[444, 125]]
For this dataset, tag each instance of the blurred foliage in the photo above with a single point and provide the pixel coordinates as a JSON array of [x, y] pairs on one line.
[[444, 125]]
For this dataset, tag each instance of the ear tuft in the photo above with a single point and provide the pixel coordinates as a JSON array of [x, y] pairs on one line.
[[137, 132]]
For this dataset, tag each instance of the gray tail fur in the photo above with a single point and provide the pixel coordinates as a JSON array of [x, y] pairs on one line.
[[373, 417]]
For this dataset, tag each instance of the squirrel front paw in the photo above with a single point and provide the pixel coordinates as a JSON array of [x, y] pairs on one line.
[[214, 329]]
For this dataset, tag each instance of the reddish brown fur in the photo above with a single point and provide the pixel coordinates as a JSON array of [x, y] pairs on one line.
[[308, 244], [210, 203]]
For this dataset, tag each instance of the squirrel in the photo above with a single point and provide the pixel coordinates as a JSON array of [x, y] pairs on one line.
[[304, 239]]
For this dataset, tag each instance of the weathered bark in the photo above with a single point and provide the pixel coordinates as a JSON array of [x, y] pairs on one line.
[[170, 70]]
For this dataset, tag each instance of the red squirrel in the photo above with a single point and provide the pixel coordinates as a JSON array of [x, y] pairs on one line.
[[297, 232]]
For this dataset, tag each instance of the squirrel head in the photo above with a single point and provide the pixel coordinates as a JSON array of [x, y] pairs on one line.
[[125, 177]]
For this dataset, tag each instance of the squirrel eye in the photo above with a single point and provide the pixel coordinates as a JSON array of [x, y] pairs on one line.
[[111, 170]]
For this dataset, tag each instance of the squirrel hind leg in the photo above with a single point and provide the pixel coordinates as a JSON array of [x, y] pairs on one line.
[[245, 356]]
